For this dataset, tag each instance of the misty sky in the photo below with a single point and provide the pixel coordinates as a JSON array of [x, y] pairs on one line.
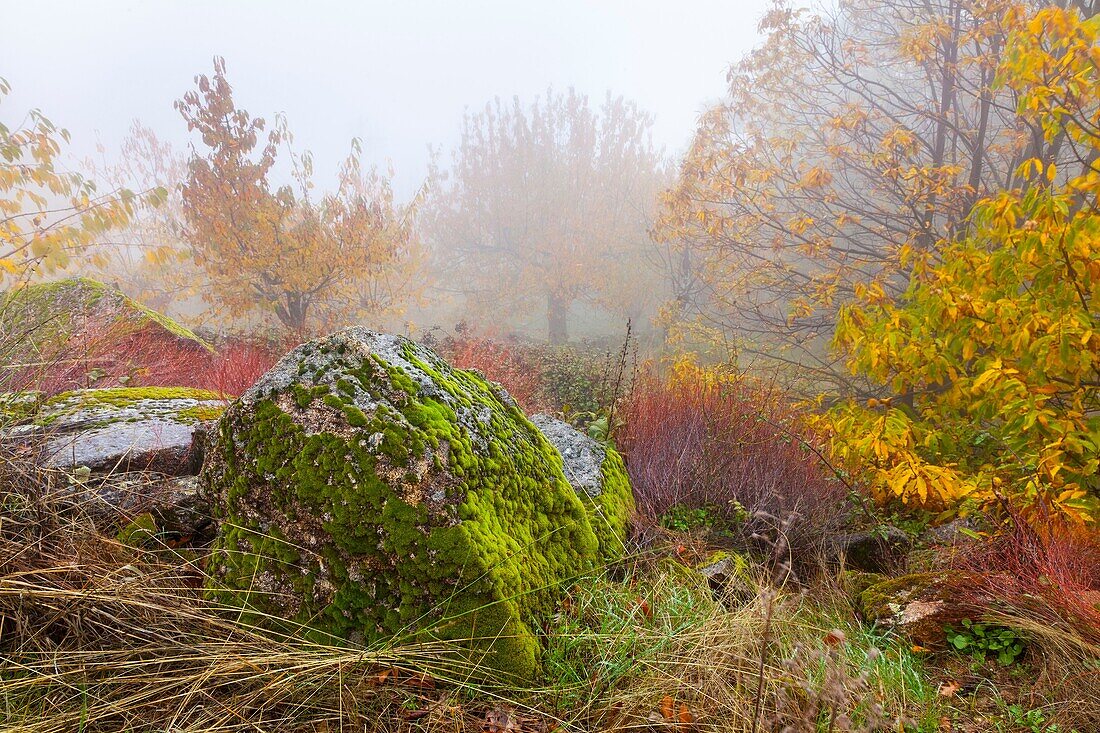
[[397, 74]]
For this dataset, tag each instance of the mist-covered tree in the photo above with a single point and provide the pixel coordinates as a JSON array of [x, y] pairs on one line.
[[148, 258], [310, 263], [49, 215], [548, 205], [855, 139]]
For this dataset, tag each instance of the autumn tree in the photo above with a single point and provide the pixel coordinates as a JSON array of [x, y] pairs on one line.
[[546, 206], [310, 262], [996, 339], [49, 216], [854, 140]]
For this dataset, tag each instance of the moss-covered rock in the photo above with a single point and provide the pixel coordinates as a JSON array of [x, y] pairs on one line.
[[80, 332], [596, 472], [369, 490], [59, 308], [124, 428], [918, 605], [19, 406], [854, 582]]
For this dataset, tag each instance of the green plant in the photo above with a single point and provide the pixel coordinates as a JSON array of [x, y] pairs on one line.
[[984, 640], [684, 518], [1032, 719]]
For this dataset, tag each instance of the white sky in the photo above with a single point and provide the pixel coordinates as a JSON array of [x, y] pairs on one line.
[[397, 74]]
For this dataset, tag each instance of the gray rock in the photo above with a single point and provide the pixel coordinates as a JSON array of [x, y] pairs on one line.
[[582, 456], [952, 533], [870, 551], [367, 488], [177, 504], [123, 429]]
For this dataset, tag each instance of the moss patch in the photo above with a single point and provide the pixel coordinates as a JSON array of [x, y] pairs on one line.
[[611, 511], [121, 404]]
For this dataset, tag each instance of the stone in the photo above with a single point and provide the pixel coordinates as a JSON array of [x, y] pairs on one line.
[[727, 575], [854, 582], [123, 429], [370, 491], [952, 533], [598, 476], [918, 605], [871, 551], [176, 505]]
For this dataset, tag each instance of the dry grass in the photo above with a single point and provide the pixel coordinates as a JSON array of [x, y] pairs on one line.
[[99, 636]]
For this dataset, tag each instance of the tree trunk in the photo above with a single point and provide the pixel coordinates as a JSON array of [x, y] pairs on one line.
[[557, 316]]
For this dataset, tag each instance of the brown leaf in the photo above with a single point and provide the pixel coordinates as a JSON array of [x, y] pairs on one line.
[[500, 720], [686, 717], [668, 708], [949, 689]]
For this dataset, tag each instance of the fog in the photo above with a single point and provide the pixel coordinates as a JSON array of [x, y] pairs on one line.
[[399, 75]]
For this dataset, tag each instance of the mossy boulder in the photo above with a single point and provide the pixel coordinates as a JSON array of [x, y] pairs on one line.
[[370, 490], [918, 605], [123, 428], [80, 332], [596, 472], [871, 551]]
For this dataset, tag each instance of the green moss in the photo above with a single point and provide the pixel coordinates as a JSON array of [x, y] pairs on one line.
[[435, 516], [16, 406], [140, 532], [881, 600], [854, 582], [107, 405], [130, 396], [611, 511], [201, 413]]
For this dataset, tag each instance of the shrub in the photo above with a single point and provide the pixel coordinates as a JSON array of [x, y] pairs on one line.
[[236, 366], [729, 445], [1047, 588], [500, 362]]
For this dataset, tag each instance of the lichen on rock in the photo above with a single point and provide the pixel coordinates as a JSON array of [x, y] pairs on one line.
[[918, 605], [122, 428], [369, 490]]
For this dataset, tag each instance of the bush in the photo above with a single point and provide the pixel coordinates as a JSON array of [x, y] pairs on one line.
[[146, 358], [499, 361], [1047, 588], [236, 366], [730, 446]]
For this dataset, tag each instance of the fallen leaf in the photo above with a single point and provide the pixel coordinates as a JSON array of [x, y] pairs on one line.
[[948, 689], [686, 717], [500, 720]]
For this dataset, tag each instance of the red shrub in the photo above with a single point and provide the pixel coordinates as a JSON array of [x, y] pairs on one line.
[[1047, 587], [98, 355], [1053, 580], [237, 366], [699, 443]]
